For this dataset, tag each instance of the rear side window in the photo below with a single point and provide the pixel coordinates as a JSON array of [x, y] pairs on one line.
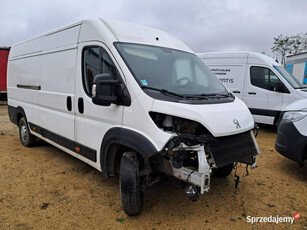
[[96, 61], [264, 78]]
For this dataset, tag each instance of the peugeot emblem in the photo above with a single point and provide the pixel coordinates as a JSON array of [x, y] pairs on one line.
[[236, 122]]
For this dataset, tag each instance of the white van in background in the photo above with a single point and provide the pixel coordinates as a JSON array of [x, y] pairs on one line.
[[130, 99], [264, 85]]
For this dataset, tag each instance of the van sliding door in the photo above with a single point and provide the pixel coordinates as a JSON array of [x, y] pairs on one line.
[[57, 87]]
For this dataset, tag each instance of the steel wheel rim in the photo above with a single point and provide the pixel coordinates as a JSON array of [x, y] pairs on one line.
[[23, 133]]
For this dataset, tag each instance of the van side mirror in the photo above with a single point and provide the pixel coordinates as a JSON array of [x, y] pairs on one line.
[[107, 91], [104, 90]]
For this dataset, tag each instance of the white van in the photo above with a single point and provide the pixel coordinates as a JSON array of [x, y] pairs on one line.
[[264, 85], [130, 99]]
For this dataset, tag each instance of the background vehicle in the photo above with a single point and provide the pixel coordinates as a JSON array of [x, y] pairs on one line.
[[130, 99], [4, 53], [292, 132], [297, 65], [264, 85]]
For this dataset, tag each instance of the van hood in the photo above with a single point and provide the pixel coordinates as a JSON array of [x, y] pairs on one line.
[[297, 105], [302, 92], [222, 119]]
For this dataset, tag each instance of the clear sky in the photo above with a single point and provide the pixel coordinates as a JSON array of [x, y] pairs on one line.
[[204, 25]]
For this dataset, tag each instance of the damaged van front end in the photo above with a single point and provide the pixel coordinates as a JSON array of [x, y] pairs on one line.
[[193, 153]]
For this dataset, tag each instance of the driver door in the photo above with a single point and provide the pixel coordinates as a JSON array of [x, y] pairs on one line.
[[93, 121], [261, 96]]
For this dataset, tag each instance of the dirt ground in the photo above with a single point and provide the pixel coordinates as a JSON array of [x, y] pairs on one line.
[[44, 188]]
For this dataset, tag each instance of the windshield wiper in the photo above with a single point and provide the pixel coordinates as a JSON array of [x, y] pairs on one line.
[[301, 87], [214, 95], [167, 92], [164, 91], [196, 96]]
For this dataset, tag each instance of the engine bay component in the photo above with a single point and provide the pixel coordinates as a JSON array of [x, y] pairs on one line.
[[178, 158], [196, 176], [192, 192]]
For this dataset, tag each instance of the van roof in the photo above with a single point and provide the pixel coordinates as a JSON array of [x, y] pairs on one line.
[[135, 33], [239, 54], [121, 31]]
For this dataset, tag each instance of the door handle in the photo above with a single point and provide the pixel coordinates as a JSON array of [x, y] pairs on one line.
[[80, 105], [252, 93], [68, 103], [236, 91]]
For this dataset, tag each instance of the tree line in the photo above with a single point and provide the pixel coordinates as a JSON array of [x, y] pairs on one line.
[[287, 45]]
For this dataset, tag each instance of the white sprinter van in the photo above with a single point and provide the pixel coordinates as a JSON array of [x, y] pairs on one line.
[[264, 85], [130, 99]]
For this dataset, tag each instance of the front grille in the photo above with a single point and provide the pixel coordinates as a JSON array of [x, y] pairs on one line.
[[234, 148]]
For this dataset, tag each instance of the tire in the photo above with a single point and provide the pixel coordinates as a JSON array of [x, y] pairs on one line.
[[26, 138], [130, 186], [223, 171]]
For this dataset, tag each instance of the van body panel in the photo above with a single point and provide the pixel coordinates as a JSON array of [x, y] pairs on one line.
[[26, 73], [30, 47], [64, 38], [34, 46], [143, 104], [230, 70], [95, 30]]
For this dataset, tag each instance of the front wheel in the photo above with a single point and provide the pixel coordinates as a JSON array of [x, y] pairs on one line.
[[130, 186], [26, 138]]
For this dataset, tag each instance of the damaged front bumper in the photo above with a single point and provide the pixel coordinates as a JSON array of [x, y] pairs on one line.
[[209, 153]]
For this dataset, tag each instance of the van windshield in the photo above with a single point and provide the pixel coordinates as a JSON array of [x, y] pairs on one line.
[[289, 77], [168, 70]]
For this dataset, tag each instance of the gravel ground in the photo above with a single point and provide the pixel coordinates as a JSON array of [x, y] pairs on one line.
[[44, 188]]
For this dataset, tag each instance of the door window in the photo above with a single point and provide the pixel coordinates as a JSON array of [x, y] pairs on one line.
[[264, 78], [96, 61]]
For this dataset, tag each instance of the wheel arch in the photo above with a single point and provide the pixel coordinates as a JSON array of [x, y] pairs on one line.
[[20, 114], [119, 140], [16, 113]]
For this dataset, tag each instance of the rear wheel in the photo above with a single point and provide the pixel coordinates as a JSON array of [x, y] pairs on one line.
[[26, 138], [130, 186], [223, 171]]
